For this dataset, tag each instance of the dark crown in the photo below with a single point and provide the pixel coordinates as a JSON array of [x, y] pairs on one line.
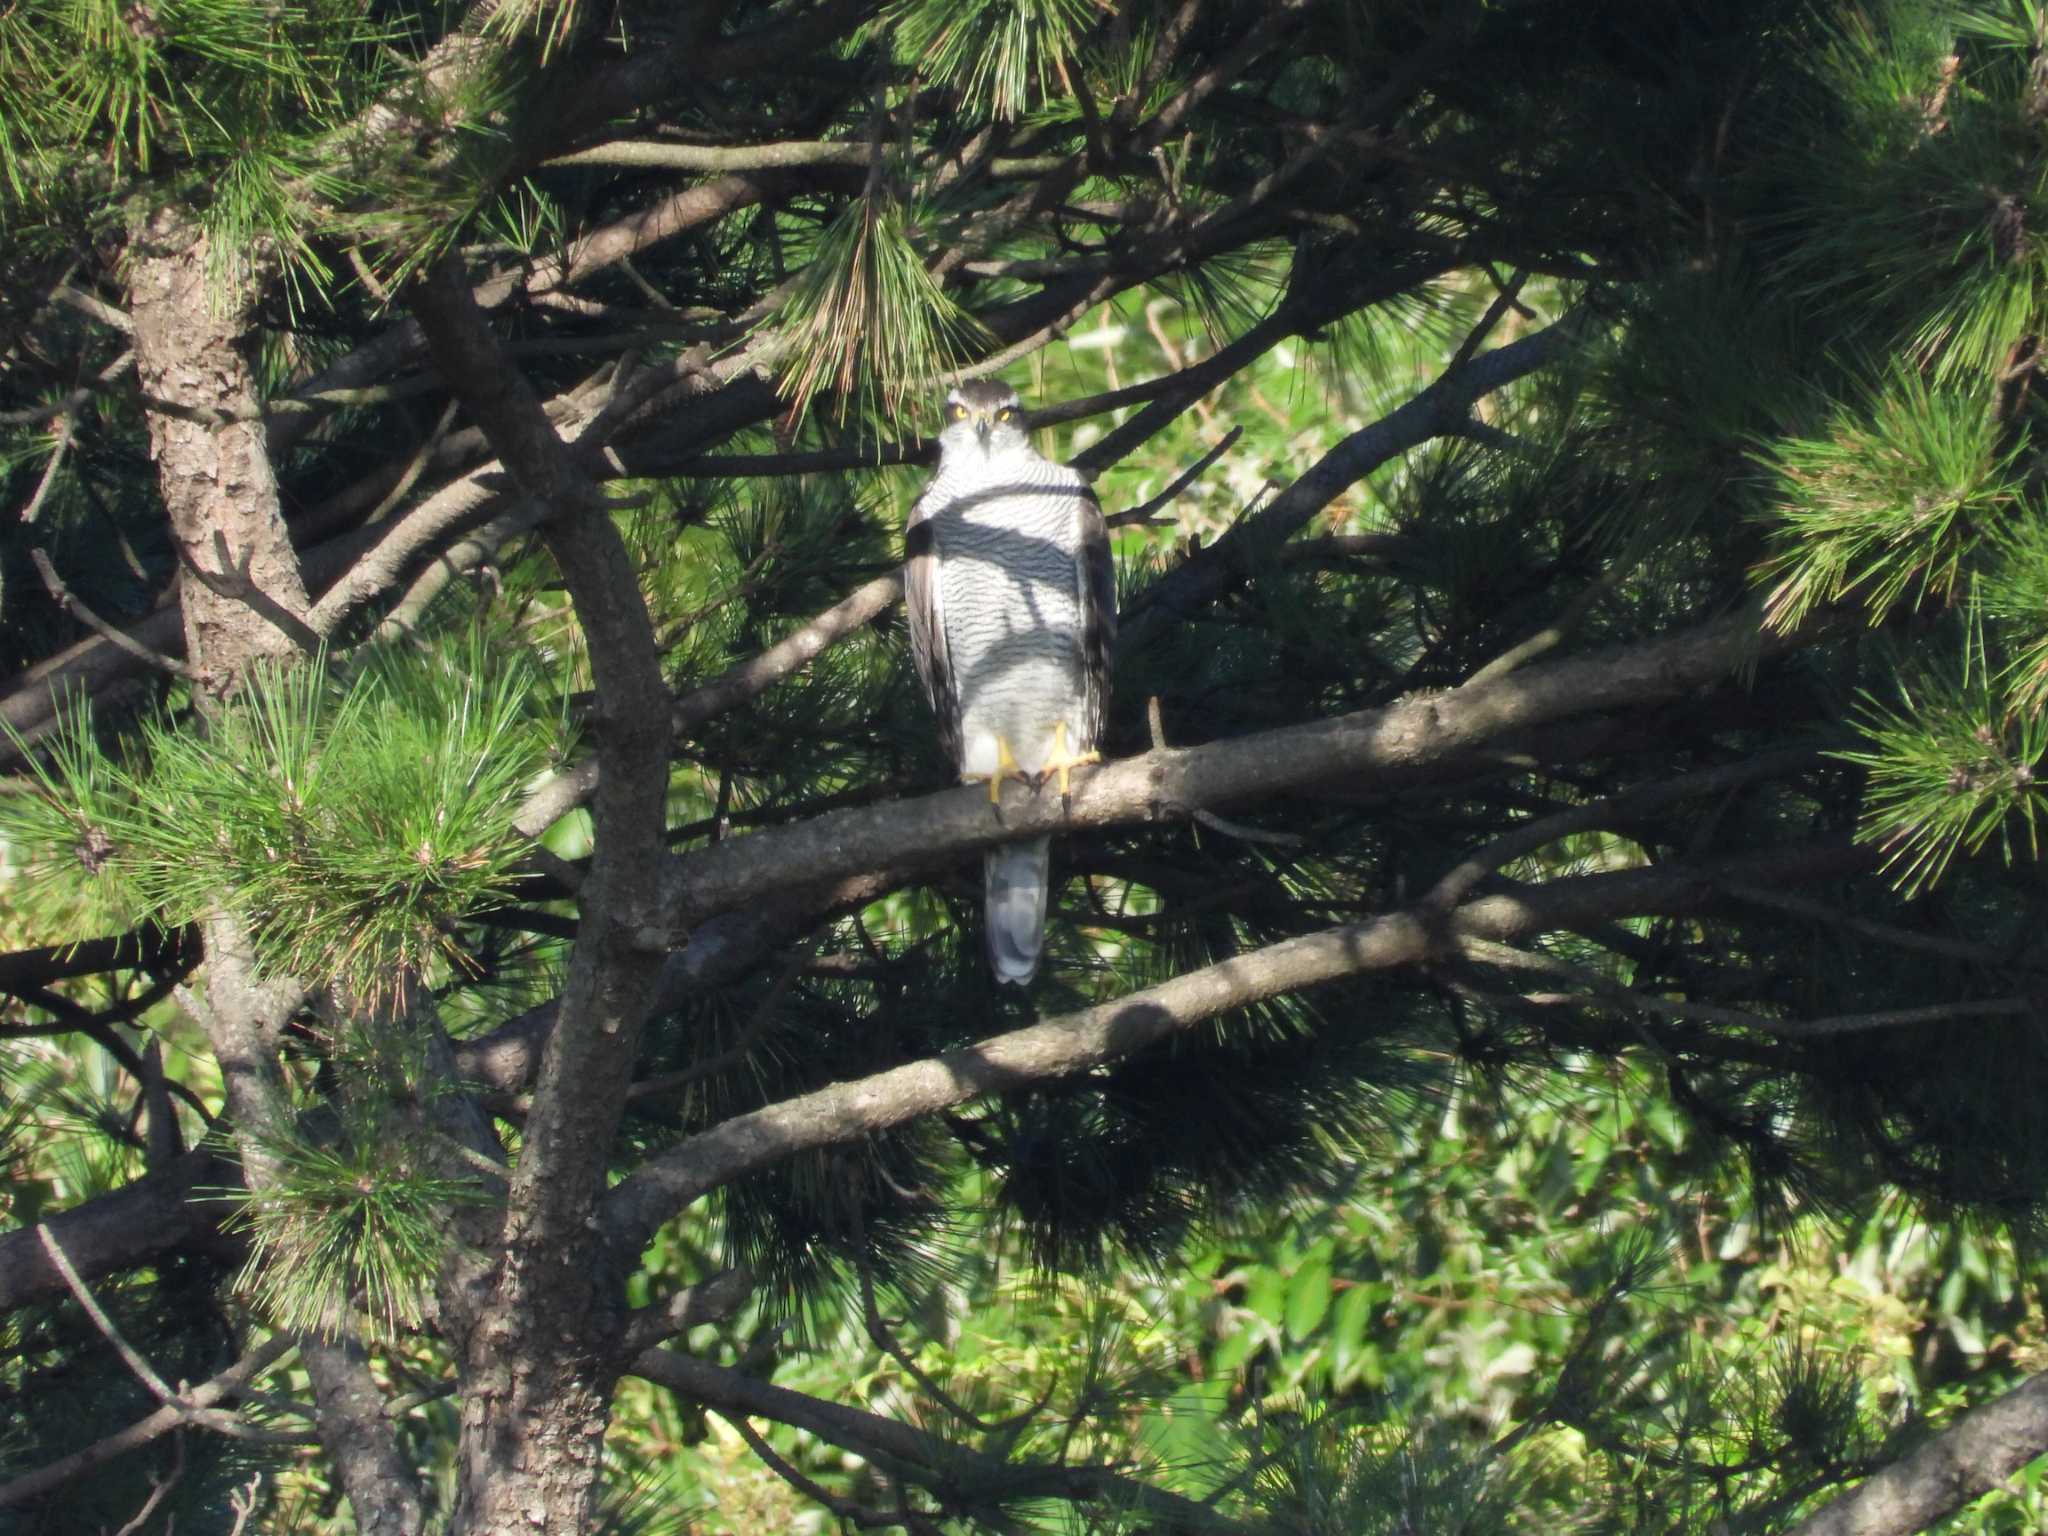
[[984, 394]]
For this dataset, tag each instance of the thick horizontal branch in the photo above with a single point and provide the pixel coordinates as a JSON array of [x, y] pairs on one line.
[[1970, 1458], [1171, 783], [661, 155], [144, 949], [1077, 1042], [163, 1212]]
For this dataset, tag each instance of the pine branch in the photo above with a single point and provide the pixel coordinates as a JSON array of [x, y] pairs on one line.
[[1971, 1457], [955, 1472], [674, 1179], [139, 1223], [1437, 411], [1605, 988], [659, 153], [215, 1390], [69, 602], [1163, 785]]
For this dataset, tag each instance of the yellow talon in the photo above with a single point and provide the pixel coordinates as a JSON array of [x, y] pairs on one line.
[[1064, 762], [1006, 768]]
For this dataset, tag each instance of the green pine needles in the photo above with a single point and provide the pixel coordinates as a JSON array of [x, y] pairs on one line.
[[1951, 767], [867, 318], [356, 1228], [240, 102], [352, 824], [1000, 55], [1888, 502]]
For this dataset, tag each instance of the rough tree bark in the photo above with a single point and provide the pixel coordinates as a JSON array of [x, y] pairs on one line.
[[191, 313], [214, 473], [539, 1350]]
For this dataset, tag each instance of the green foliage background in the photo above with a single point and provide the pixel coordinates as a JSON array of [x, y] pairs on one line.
[[1391, 1251]]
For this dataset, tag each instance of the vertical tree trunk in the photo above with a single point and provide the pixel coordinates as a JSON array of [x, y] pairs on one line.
[[536, 1396], [219, 490], [206, 435]]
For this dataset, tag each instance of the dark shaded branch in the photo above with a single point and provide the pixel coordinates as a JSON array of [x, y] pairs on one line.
[[143, 949], [709, 1301], [162, 1212], [1437, 411], [63, 596], [1609, 811], [1077, 1042], [956, 1471], [211, 1393], [1600, 988]]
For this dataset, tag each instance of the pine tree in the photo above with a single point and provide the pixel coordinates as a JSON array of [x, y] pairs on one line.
[[497, 951]]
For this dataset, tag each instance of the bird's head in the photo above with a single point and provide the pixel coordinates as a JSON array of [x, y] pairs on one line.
[[983, 417]]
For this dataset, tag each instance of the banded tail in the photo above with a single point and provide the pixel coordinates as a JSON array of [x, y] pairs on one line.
[[1015, 878]]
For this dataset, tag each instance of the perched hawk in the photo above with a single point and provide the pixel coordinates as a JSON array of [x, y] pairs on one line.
[[1012, 602]]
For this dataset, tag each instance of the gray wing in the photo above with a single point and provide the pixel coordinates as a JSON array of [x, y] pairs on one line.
[[1095, 571], [928, 625]]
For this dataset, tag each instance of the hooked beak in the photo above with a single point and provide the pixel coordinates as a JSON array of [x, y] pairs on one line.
[[982, 427]]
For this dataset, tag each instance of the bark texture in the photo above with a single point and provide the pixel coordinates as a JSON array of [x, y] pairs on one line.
[[206, 435], [1968, 1459], [538, 1351], [192, 316]]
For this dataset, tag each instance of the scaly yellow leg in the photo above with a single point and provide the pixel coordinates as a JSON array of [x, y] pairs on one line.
[[1006, 768], [1063, 762]]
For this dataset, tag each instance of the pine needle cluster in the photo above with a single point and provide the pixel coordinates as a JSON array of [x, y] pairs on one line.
[[1921, 184], [242, 103], [1889, 502], [866, 319], [353, 1227], [1002, 56], [352, 823]]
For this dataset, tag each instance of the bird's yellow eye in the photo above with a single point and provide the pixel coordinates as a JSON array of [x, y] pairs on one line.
[[1007, 413], [956, 412]]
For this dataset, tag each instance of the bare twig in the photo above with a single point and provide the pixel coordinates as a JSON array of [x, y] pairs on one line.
[[1884, 933], [222, 1423], [972, 1477], [1186, 478], [159, 1488], [1607, 989], [66, 599], [222, 1388], [1457, 882], [242, 1503], [846, 1511], [72, 399], [66, 425]]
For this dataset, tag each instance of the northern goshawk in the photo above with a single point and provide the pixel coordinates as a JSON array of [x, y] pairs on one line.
[[1012, 598]]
